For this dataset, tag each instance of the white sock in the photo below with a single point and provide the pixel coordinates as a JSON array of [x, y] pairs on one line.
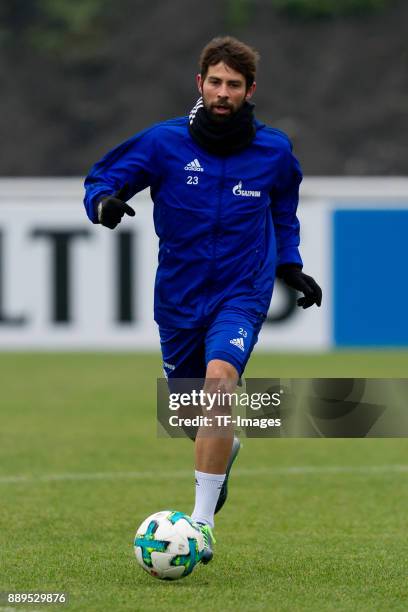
[[207, 492]]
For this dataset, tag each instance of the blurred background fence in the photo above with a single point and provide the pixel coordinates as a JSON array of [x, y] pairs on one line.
[[79, 76]]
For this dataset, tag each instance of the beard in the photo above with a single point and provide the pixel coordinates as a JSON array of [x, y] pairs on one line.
[[221, 117], [222, 133]]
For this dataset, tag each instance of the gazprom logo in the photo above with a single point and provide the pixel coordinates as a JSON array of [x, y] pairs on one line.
[[238, 191]]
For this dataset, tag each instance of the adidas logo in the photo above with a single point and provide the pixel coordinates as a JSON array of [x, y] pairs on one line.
[[239, 343], [194, 166]]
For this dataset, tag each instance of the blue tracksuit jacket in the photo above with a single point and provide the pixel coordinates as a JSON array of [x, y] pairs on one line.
[[224, 223]]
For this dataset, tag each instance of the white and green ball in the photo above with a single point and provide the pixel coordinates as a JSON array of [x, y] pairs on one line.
[[168, 545]]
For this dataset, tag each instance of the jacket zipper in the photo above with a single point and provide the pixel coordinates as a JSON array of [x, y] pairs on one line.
[[218, 214], [213, 265]]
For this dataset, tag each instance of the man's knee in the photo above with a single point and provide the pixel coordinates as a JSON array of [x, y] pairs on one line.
[[221, 376], [221, 370]]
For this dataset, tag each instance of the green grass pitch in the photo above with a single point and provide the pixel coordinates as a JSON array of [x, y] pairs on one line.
[[81, 467]]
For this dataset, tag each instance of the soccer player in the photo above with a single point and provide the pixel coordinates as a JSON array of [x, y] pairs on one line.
[[225, 191]]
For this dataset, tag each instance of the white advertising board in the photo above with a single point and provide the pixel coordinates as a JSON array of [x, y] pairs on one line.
[[68, 284]]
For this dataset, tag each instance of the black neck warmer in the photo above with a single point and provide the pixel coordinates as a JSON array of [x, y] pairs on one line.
[[223, 137]]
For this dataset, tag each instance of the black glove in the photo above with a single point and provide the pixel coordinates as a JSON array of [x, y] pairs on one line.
[[111, 208], [293, 276]]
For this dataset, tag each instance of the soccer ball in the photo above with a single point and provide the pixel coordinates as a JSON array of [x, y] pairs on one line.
[[168, 545]]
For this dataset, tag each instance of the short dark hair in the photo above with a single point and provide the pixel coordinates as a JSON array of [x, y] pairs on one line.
[[236, 54]]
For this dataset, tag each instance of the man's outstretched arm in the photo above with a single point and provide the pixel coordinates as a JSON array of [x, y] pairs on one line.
[[120, 174], [284, 204]]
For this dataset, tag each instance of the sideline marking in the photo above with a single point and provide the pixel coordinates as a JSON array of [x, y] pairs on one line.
[[283, 471]]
